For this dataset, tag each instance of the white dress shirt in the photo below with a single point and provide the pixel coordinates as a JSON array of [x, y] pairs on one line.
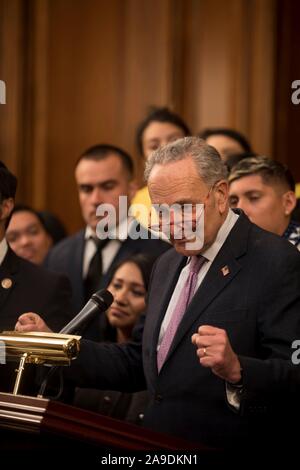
[[110, 250]]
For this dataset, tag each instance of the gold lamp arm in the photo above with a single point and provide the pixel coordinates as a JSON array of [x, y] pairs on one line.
[[20, 371]]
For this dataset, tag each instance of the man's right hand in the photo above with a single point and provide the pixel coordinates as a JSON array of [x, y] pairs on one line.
[[31, 322]]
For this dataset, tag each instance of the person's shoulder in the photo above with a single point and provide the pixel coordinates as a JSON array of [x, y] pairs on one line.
[[35, 273], [142, 235], [168, 256], [246, 234], [39, 272], [269, 239], [142, 197], [67, 244], [273, 247], [292, 233]]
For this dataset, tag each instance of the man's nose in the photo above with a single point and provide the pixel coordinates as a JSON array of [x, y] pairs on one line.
[[241, 204], [96, 196], [245, 206]]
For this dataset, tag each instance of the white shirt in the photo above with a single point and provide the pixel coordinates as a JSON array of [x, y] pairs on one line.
[[111, 248], [210, 254], [3, 250]]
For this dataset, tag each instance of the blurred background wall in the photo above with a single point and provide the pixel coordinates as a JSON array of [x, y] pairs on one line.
[[81, 72]]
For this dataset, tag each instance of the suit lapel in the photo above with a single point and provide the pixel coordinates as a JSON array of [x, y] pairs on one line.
[[8, 276], [212, 285], [76, 269]]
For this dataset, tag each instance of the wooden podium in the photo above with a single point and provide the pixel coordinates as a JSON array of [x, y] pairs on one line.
[[55, 429], [37, 423]]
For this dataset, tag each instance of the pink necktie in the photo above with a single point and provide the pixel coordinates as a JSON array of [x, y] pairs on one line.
[[183, 302]]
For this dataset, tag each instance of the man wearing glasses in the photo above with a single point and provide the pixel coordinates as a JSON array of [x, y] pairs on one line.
[[223, 311]]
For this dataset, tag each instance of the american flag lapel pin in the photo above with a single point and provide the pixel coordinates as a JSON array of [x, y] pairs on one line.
[[225, 270]]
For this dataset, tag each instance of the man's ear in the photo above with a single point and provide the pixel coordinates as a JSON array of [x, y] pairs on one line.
[[6, 208], [289, 202], [221, 192]]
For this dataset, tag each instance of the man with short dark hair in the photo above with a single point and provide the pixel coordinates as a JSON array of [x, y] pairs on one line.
[[103, 174], [265, 190]]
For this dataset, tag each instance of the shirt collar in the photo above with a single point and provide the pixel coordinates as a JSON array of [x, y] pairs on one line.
[[89, 233], [223, 233], [3, 249]]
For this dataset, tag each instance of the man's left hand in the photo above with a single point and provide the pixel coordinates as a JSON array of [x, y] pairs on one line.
[[214, 350]]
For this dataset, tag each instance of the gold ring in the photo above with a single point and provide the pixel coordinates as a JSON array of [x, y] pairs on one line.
[[204, 351]]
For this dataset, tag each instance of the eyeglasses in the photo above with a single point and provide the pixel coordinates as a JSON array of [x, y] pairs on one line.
[[180, 220]]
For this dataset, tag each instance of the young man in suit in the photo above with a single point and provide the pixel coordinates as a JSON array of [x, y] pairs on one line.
[[103, 173], [265, 190], [223, 312], [25, 287]]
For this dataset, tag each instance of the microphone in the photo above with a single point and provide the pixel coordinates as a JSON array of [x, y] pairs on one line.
[[98, 303]]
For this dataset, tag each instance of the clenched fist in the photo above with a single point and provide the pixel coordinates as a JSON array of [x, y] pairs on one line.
[[31, 322], [214, 350]]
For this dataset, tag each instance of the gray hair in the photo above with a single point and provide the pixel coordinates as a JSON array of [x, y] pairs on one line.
[[208, 162]]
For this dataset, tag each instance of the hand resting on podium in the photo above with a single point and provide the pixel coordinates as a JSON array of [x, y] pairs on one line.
[[31, 321]]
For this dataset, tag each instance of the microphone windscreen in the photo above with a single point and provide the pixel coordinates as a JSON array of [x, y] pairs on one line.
[[103, 298]]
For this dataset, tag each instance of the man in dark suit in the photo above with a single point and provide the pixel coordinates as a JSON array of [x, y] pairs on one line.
[[103, 173], [224, 377], [25, 287]]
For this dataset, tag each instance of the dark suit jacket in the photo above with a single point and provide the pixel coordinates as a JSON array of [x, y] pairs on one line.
[[126, 406], [67, 258], [33, 289], [257, 303]]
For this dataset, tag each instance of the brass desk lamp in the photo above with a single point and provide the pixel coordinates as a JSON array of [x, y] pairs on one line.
[[52, 349], [38, 348]]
